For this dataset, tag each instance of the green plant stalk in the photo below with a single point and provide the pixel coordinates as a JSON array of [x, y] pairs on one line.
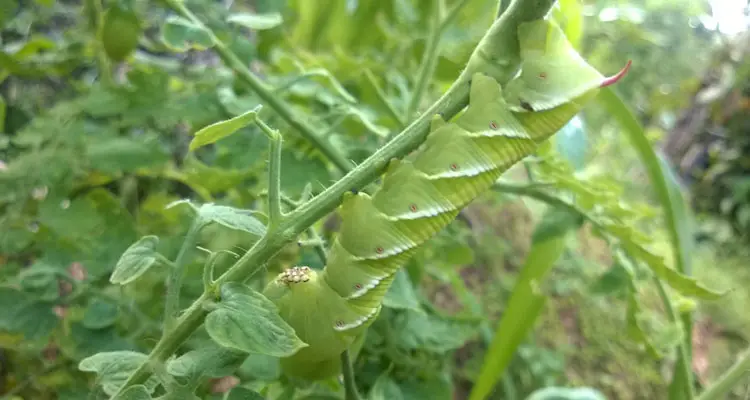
[[440, 21], [673, 218], [429, 60], [350, 385], [96, 21], [274, 175], [681, 367], [383, 100], [494, 46], [729, 379], [176, 274], [284, 110]]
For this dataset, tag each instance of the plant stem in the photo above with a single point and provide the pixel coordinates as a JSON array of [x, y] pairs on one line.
[[440, 21], [281, 107], [383, 100], [429, 60], [350, 386], [683, 361], [296, 222], [274, 175], [176, 273], [729, 379]]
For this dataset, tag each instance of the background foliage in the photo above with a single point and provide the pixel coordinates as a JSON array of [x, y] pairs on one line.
[[99, 104]]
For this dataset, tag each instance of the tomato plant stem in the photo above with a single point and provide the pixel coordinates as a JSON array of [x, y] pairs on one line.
[[350, 386], [500, 45], [719, 389], [282, 108]]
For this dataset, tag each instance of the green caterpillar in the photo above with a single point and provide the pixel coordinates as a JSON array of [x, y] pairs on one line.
[[330, 310]]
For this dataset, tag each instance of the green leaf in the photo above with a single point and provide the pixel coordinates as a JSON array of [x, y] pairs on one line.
[[113, 368], [241, 393], [99, 314], [136, 392], [209, 360], [526, 302], [115, 155], [35, 320], [401, 294], [222, 129], [615, 281], [233, 218], [246, 320], [41, 281], [261, 367], [180, 34], [431, 332], [683, 284], [560, 393], [135, 261], [256, 21], [385, 388]]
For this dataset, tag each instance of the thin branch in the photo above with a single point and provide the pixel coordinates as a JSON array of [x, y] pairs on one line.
[[176, 274], [685, 368], [281, 107], [729, 379], [429, 60], [350, 386], [380, 94], [274, 175]]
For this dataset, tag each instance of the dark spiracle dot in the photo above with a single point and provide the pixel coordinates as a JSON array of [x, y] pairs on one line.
[[357, 286], [454, 167], [543, 76], [340, 323], [493, 125], [379, 250], [413, 208], [354, 190], [526, 106]]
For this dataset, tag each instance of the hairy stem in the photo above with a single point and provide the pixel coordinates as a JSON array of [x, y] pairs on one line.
[[281, 107], [296, 222], [176, 273], [731, 377]]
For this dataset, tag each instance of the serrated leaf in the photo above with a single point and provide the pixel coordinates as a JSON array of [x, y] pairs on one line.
[[99, 314], [222, 129], [180, 34], [560, 393], [113, 368], [256, 21], [209, 360], [233, 218], [246, 320], [136, 392], [683, 284], [135, 261], [241, 393], [401, 294]]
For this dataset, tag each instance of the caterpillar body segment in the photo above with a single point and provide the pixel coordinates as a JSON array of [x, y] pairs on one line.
[[421, 194]]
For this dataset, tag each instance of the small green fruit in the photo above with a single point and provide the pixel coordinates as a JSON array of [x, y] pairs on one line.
[[121, 30]]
